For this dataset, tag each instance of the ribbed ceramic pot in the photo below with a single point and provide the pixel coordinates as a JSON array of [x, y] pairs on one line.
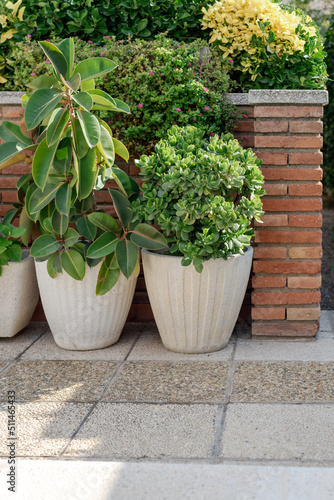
[[196, 312], [78, 318], [18, 295]]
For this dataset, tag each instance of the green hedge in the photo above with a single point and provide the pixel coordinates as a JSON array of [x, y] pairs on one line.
[[164, 82], [94, 19]]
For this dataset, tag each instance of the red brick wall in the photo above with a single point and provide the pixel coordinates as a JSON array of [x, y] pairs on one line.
[[286, 277]]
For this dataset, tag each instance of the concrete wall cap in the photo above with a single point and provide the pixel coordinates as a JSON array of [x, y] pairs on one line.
[[253, 97], [11, 97], [262, 97]]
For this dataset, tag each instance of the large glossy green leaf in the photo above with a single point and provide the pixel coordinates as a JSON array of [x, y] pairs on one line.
[[49, 266], [44, 82], [45, 216], [122, 206], [90, 127], [94, 67], [74, 82], [59, 223], [86, 227], [44, 245], [122, 179], [86, 174], [122, 106], [70, 237], [67, 48], [56, 57], [10, 153], [63, 199], [108, 275], [63, 157], [148, 237], [104, 221], [57, 124], [127, 256], [11, 132], [40, 104], [84, 100], [26, 224], [102, 98], [80, 143], [30, 191], [88, 84], [102, 246], [42, 162], [106, 146], [120, 149], [40, 198], [73, 263]]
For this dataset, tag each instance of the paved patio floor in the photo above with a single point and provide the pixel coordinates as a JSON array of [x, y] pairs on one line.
[[135, 421]]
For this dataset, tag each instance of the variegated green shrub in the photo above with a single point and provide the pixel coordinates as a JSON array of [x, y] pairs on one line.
[[203, 194]]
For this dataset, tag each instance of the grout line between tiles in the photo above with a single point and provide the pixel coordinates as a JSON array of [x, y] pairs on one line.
[[17, 358], [222, 408]]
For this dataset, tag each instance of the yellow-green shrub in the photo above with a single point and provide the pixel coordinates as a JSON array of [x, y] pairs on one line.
[[270, 44], [10, 13]]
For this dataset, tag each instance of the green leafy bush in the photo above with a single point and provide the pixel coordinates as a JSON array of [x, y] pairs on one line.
[[329, 112], [269, 45], [202, 194], [94, 19], [9, 249], [164, 83]]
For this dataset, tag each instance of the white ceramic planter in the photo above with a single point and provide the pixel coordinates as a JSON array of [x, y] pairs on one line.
[[78, 318], [196, 312], [18, 295]]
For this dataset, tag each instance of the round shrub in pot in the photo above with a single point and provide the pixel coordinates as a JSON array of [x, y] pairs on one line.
[[203, 194]]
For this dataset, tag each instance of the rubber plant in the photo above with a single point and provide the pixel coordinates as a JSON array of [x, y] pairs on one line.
[[72, 154]]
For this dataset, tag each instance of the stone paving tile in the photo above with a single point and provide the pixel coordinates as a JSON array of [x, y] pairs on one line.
[[282, 432], [56, 380], [326, 325], [265, 350], [46, 348], [146, 431], [2, 365], [169, 382], [149, 347], [283, 381], [42, 429], [327, 321], [11, 347]]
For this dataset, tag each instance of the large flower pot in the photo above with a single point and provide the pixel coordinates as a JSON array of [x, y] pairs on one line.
[[78, 318], [196, 312], [18, 295]]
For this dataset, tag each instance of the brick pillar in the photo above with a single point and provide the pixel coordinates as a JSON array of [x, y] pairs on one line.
[[284, 128]]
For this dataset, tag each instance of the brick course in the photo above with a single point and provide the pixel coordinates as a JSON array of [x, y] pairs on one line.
[[287, 265]]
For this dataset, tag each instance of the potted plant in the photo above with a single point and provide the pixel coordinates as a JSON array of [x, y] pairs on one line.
[[73, 153], [203, 194], [18, 284]]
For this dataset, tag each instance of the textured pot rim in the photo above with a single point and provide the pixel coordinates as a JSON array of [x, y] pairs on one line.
[[230, 257]]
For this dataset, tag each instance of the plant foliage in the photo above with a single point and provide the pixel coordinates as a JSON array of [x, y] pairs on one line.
[[164, 83], [202, 194], [269, 45], [73, 153], [10, 249]]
